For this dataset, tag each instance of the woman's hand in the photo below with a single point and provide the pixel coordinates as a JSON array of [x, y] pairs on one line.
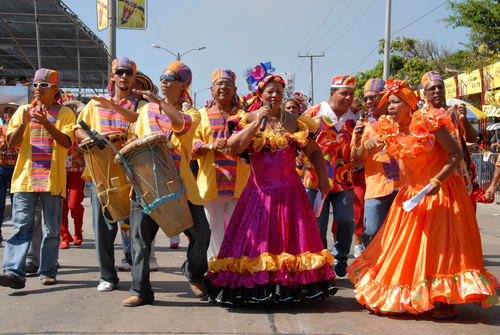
[[373, 144], [434, 189], [262, 112], [489, 194]]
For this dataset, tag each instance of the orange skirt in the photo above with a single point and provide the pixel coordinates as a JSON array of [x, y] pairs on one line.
[[430, 254]]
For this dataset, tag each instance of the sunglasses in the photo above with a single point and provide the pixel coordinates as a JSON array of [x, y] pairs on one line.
[[121, 72], [42, 85], [370, 97], [169, 77]]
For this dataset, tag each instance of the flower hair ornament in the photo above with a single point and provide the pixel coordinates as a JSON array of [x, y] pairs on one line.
[[257, 73], [400, 89]]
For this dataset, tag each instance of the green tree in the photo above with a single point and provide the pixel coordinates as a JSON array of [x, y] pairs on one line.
[[482, 17]]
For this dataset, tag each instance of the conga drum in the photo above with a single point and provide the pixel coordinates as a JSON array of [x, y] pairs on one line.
[[156, 179], [111, 185]]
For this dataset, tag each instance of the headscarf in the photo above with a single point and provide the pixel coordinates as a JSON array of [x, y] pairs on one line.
[[50, 76], [374, 85], [300, 98], [120, 63], [401, 90], [222, 73], [123, 63], [256, 101], [343, 81], [430, 76], [186, 76]]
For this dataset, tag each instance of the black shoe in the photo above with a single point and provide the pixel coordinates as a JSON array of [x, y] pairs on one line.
[[340, 268], [31, 269], [10, 280]]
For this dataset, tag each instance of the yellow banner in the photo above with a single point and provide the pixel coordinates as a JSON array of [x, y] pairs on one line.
[[131, 14], [451, 87], [491, 76], [469, 83], [491, 110], [102, 14]]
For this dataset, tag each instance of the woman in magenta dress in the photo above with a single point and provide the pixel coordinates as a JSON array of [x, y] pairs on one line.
[[272, 250]]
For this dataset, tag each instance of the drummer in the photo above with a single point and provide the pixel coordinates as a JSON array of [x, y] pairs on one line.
[[113, 112], [222, 176], [165, 116], [44, 132]]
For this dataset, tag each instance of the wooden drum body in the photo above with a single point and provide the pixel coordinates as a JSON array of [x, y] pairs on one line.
[[157, 180], [112, 187]]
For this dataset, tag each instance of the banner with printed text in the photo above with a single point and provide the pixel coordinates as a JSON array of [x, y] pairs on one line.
[[451, 87]]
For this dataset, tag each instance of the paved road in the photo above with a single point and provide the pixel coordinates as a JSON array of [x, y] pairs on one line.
[[75, 307]]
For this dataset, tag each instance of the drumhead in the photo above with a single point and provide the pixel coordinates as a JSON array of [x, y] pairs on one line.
[[148, 140], [113, 136]]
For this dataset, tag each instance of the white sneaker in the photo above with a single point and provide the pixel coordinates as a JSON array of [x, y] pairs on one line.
[[124, 266], [153, 266], [358, 250], [105, 286]]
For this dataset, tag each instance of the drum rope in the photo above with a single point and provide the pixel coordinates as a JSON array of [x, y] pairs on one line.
[[148, 208]]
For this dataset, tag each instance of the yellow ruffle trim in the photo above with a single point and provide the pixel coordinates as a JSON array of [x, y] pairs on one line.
[[467, 286], [270, 262], [277, 141]]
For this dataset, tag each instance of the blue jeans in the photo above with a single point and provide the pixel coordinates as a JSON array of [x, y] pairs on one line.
[[5, 177], [343, 214], [23, 219], [376, 210]]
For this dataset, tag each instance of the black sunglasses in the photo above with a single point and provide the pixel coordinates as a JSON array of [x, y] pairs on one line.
[[169, 77], [120, 72]]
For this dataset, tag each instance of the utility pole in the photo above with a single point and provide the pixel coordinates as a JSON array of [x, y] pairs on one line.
[[312, 74], [387, 39], [111, 32]]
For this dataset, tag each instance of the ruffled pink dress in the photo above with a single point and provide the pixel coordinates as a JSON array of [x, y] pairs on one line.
[[272, 249]]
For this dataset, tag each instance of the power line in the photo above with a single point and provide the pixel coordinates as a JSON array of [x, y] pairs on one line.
[[321, 24], [418, 19], [398, 31], [311, 69], [333, 25], [352, 25]]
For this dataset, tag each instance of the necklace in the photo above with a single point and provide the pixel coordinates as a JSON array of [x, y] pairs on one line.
[[279, 126]]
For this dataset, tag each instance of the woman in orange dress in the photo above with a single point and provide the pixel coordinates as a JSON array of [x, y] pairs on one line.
[[432, 253]]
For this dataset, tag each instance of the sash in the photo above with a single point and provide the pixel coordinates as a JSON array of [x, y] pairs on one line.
[[41, 151]]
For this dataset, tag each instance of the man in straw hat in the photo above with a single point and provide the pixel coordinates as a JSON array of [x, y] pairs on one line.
[[44, 132]]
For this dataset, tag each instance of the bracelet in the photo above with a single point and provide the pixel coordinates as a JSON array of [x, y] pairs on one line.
[[436, 181]]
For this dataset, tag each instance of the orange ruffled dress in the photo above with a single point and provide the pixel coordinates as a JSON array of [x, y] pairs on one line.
[[432, 253]]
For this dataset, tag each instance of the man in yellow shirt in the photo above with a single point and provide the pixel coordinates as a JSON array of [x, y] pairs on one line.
[[115, 111], [164, 116], [222, 175], [44, 132]]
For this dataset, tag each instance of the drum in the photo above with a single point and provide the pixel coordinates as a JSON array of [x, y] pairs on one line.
[[111, 185], [156, 179]]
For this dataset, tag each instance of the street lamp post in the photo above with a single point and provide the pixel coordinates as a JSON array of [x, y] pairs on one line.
[[196, 93], [176, 55]]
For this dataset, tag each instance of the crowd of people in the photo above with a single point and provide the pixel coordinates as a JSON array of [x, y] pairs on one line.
[[270, 171]]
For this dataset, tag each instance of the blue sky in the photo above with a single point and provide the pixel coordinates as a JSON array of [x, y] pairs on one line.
[[238, 34]]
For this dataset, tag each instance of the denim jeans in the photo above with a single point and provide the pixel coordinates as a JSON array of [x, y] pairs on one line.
[[5, 177], [376, 210], [23, 219], [343, 214], [105, 235], [143, 232]]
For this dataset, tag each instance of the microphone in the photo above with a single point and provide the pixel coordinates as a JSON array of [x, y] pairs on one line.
[[263, 121], [94, 135]]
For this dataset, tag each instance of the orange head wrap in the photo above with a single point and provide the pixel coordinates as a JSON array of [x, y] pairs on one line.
[[186, 76], [401, 90]]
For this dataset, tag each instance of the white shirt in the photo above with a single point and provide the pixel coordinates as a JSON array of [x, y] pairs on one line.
[[326, 110]]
